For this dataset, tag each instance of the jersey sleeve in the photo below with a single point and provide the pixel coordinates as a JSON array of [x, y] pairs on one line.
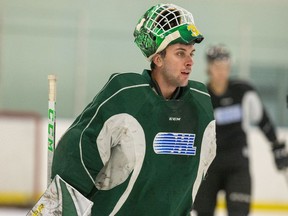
[[267, 127], [77, 158], [88, 153], [254, 112]]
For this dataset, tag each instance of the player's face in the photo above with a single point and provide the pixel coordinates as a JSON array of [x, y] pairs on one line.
[[219, 71], [177, 65]]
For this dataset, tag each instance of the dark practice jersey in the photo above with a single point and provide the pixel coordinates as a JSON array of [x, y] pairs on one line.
[[134, 153], [236, 109]]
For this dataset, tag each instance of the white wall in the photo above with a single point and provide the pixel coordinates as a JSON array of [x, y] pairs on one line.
[[84, 42]]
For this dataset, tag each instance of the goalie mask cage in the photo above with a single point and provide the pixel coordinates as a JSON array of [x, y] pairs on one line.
[[20, 158]]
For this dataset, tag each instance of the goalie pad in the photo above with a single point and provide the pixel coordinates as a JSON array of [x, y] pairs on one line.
[[60, 198]]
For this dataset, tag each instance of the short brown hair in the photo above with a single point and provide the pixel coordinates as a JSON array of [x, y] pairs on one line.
[[163, 54]]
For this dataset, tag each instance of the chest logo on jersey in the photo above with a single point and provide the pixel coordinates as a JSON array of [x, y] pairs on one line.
[[228, 115], [174, 143], [174, 119]]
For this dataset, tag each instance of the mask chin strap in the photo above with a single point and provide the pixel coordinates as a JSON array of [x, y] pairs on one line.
[[167, 40]]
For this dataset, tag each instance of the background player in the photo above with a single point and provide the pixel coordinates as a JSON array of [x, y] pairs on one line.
[[143, 145], [236, 105]]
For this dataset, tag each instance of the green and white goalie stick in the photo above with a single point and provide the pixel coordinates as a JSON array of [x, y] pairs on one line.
[[59, 198], [51, 123]]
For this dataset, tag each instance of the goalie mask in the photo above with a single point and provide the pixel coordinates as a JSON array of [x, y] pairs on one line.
[[162, 25]]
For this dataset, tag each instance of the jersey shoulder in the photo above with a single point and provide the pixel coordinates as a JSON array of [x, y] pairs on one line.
[[119, 81], [126, 79], [198, 87], [200, 94], [241, 85]]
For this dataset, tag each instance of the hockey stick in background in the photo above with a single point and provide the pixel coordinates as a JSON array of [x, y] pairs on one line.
[[51, 123]]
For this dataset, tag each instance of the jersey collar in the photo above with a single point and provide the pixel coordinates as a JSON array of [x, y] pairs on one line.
[[154, 85]]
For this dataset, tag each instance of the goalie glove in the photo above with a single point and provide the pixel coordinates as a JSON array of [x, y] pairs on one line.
[[280, 155]]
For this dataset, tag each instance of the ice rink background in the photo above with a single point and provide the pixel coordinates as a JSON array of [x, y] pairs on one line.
[[84, 42], [269, 185]]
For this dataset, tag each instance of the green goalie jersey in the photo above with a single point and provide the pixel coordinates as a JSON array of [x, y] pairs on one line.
[[133, 153]]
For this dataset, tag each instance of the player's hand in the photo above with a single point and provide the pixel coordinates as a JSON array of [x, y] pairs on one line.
[[280, 155]]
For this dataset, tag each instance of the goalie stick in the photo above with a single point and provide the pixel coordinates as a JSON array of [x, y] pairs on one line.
[[51, 123], [53, 201]]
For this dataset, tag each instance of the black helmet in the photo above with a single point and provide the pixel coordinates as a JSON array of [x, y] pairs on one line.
[[217, 52]]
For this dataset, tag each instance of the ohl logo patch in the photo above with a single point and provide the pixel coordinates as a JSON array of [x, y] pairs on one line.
[[174, 143]]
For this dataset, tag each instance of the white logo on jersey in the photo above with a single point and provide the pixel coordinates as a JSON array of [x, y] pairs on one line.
[[174, 143], [228, 115], [174, 119]]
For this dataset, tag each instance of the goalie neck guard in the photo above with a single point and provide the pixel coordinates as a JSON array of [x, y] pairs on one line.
[[162, 25]]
